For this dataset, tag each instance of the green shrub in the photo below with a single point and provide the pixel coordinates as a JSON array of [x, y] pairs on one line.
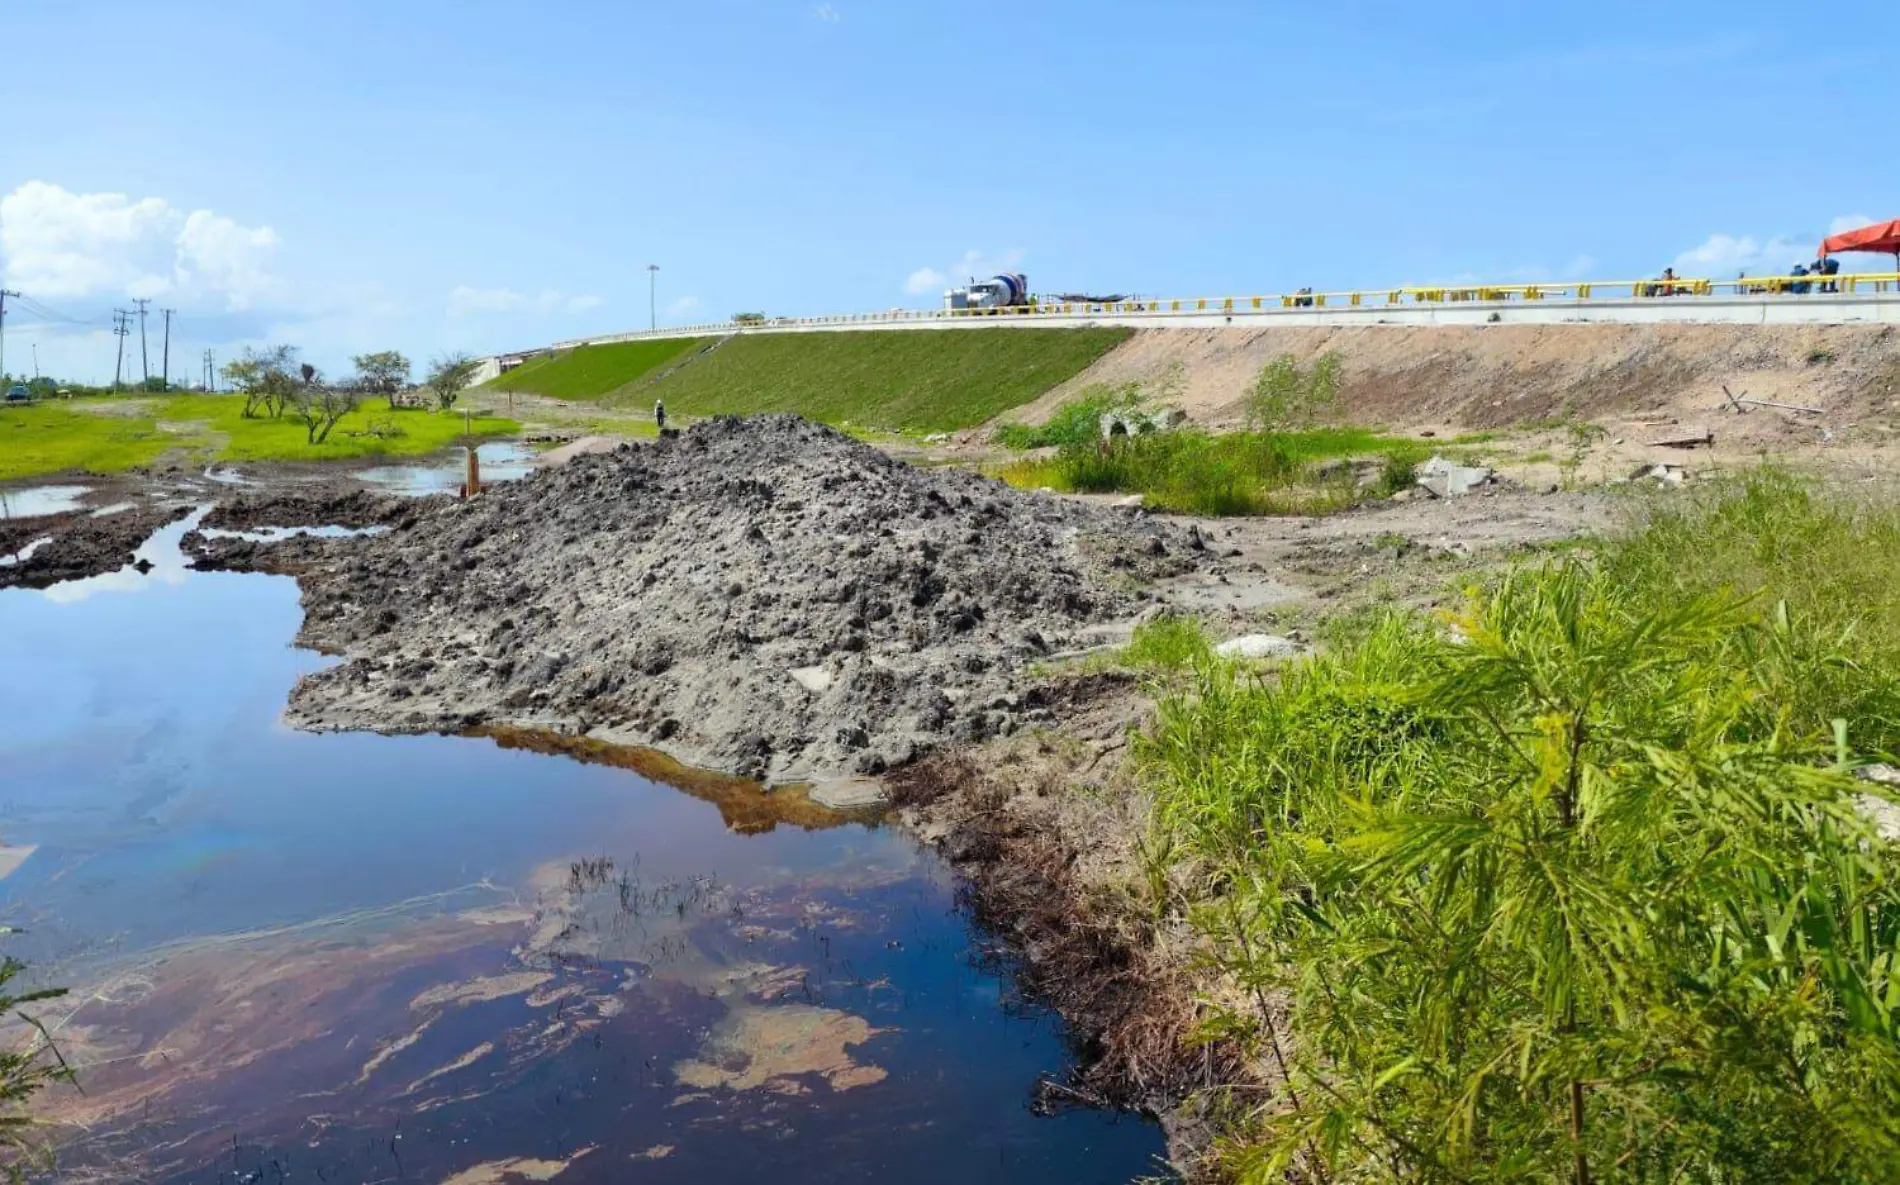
[[1167, 643], [1572, 884], [1077, 422], [1285, 396]]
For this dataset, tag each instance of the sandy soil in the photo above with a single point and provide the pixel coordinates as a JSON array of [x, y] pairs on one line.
[[1495, 376]]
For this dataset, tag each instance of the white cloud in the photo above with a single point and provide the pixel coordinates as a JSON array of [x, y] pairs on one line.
[[468, 301], [826, 13], [925, 281], [1721, 254], [683, 306], [465, 301], [62, 245]]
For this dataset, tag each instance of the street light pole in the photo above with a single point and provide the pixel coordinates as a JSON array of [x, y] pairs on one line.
[[653, 275]]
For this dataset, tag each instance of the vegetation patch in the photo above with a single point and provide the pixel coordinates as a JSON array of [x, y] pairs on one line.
[[1194, 472], [593, 372], [1572, 882], [51, 438], [109, 435], [916, 380]]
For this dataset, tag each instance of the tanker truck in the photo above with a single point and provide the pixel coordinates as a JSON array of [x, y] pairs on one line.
[[1007, 291]]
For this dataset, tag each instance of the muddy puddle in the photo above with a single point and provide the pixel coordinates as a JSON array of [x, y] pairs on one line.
[[38, 500], [350, 957], [501, 461]]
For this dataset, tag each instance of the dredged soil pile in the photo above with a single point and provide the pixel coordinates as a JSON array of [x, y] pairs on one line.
[[766, 597]]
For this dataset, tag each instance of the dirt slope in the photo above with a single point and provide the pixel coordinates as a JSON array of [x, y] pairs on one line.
[[1496, 376]]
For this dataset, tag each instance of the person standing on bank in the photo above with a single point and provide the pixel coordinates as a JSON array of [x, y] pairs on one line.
[[659, 414]]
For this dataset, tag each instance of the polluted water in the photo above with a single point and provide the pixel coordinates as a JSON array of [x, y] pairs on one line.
[[354, 957]]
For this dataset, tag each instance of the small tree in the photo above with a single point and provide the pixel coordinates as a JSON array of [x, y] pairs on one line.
[[448, 377], [385, 373], [320, 405], [1285, 396], [266, 377]]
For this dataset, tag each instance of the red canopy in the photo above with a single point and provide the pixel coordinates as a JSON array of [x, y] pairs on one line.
[[1881, 236]]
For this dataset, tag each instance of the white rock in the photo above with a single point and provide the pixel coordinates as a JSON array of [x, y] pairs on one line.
[[816, 680], [843, 794], [1258, 646]]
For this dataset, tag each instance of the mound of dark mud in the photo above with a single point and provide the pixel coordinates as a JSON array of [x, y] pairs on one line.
[[319, 507], [765, 597], [71, 546]]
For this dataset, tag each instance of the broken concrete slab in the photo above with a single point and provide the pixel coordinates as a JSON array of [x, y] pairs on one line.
[[1662, 474], [1444, 478]]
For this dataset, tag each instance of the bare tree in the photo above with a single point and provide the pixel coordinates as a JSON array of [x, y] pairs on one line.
[[265, 377], [384, 373], [321, 405], [449, 376]]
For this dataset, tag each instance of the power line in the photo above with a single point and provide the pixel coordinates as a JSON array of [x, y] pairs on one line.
[[40, 309], [121, 325], [145, 363]]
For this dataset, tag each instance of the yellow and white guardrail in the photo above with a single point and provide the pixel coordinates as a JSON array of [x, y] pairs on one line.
[[1580, 293]]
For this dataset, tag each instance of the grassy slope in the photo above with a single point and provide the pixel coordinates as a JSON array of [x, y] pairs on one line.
[[913, 379], [591, 372], [108, 436]]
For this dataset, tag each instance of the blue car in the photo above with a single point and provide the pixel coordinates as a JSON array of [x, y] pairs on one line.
[[18, 393]]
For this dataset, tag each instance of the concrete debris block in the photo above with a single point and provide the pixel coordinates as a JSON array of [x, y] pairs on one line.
[[1884, 815], [816, 680], [1685, 437], [1443, 478], [1131, 502], [1661, 474], [1258, 646]]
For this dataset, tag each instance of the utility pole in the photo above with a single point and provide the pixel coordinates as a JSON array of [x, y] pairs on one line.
[[121, 325], [36, 362], [4, 293], [165, 367], [210, 382], [653, 276], [145, 363]]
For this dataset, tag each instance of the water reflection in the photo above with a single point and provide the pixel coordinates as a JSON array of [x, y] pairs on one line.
[[348, 957]]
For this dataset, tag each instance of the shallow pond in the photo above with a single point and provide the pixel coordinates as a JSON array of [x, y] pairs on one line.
[[351, 957], [501, 461]]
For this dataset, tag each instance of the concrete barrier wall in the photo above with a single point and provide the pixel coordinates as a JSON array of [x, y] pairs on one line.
[[1789, 309]]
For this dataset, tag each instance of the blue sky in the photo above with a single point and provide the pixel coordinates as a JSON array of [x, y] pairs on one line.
[[432, 175]]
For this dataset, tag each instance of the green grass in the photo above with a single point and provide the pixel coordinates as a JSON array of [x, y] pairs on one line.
[[916, 380], [415, 431], [1571, 874], [1193, 472], [593, 372], [49, 438], [114, 434]]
